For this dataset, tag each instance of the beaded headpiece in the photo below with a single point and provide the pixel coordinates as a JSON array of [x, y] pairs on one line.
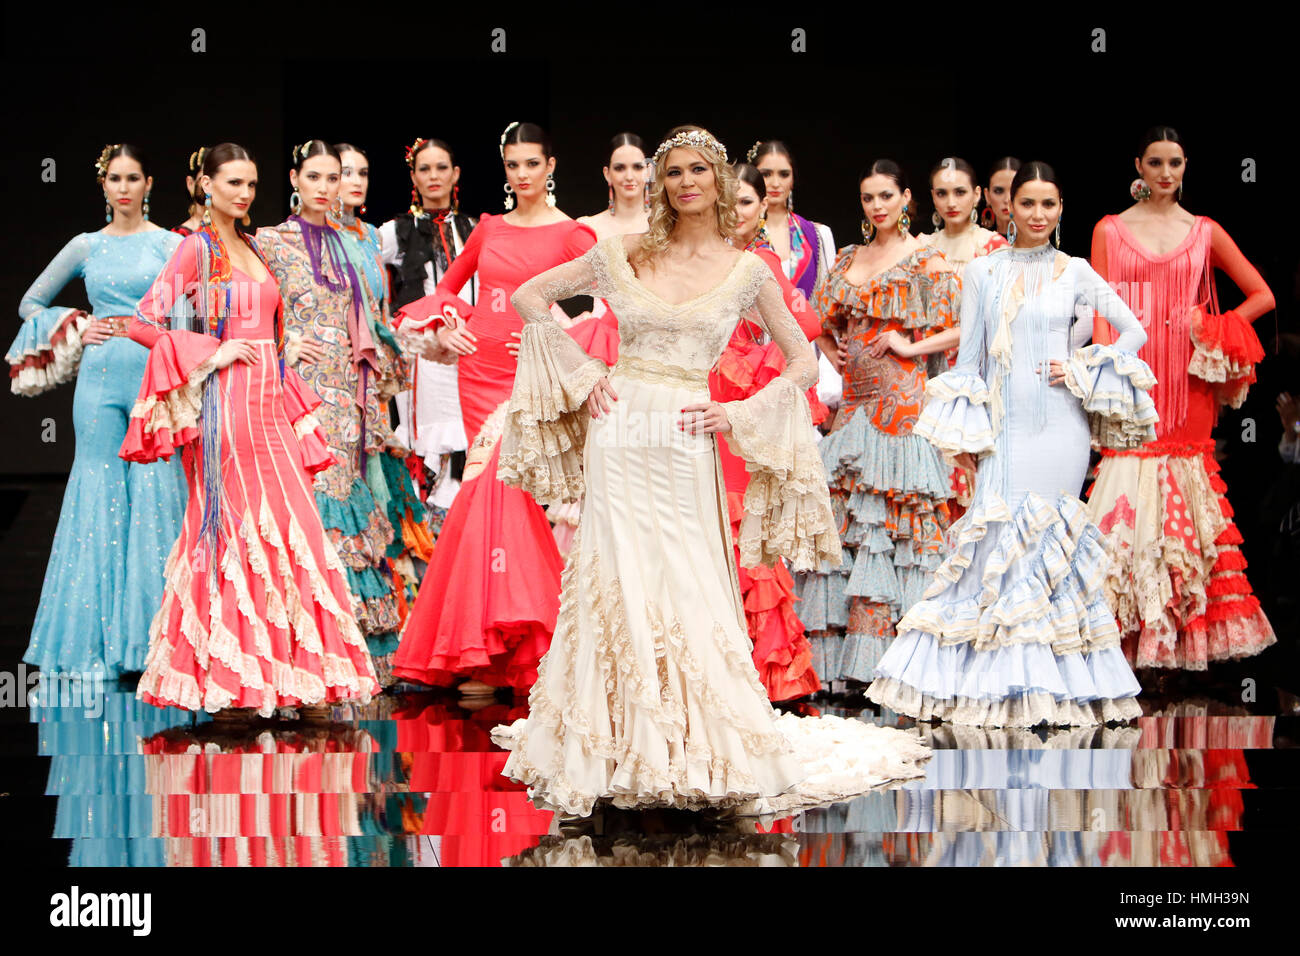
[[300, 152], [413, 150], [753, 152], [196, 160], [691, 139], [503, 137], [105, 156]]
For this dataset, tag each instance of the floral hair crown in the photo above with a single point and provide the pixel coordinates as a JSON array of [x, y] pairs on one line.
[[753, 152], [300, 152], [105, 156], [196, 160], [503, 137], [414, 149], [692, 139]]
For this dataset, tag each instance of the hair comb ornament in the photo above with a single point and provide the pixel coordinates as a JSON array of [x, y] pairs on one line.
[[300, 152], [196, 159], [503, 138], [753, 152], [413, 150], [691, 139], [101, 164]]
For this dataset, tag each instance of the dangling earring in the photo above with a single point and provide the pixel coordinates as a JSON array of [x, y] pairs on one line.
[[1058, 232], [336, 207], [146, 207], [645, 197], [207, 209], [550, 191], [868, 230], [1180, 192], [611, 200], [1139, 190], [362, 210], [987, 219], [417, 207], [934, 218], [295, 202], [904, 222], [108, 211], [974, 216], [760, 235], [789, 202], [1011, 231], [455, 200], [510, 197]]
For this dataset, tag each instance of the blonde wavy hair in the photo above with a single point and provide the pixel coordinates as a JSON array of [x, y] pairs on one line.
[[663, 217]]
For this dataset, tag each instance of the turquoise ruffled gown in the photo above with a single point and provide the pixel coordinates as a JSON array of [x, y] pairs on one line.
[[1014, 629], [104, 580]]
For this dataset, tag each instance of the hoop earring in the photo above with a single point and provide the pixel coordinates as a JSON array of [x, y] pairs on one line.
[[611, 200], [510, 197], [987, 219], [934, 218], [455, 200], [904, 222], [108, 211], [550, 191], [1058, 232], [295, 202], [868, 231], [1011, 231], [974, 217], [207, 209], [146, 206]]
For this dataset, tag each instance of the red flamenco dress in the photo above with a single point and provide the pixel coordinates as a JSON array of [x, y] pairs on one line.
[[1178, 583], [256, 610], [488, 602]]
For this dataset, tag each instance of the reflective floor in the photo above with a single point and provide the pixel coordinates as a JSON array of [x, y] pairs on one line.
[[1204, 778]]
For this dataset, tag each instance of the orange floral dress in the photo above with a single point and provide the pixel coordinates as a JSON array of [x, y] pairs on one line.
[[889, 488]]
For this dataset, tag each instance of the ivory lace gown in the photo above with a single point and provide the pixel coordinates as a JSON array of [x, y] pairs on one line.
[[648, 695]]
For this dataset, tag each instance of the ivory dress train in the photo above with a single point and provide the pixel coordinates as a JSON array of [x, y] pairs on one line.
[[648, 695]]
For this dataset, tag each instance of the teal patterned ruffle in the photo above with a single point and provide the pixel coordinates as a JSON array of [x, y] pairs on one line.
[[351, 515]]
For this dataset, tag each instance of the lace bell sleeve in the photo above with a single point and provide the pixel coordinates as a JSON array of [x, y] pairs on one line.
[[546, 421], [956, 416], [47, 350], [1110, 380], [787, 502]]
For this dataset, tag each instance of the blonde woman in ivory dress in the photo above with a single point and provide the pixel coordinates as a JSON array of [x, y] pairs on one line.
[[648, 696]]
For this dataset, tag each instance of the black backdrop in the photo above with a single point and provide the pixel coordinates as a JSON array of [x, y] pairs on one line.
[[863, 89]]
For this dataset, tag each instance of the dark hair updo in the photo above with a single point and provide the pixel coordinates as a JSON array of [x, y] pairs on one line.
[[129, 150], [1037, 171], [1159, 134], [425, 144], [526, 133], [957, 164], [213, 160], [750, 174], [342, 148], [1005, 163], [314, 147], [625, 139], [887, 167]]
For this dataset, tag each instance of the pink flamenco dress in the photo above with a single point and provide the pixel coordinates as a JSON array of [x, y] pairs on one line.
[[1178, 584], [256, 611], [488, 602]]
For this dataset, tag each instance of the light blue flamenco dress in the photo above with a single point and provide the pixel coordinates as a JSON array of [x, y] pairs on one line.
[[1014, 629], [104, 580]]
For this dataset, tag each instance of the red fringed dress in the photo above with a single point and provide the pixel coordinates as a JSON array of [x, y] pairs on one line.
[[265, 619], [488, 602], [1177, 583]]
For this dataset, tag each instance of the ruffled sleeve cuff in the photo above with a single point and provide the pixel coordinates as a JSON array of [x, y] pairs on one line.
[[546, 420], [1225, 351], [299, 404], [166, 413], [46, 351], [787, 502], [1112, 385], [956, 417], [426, 313]]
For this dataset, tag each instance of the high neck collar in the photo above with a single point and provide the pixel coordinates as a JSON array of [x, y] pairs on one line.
[[1029, 253]]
